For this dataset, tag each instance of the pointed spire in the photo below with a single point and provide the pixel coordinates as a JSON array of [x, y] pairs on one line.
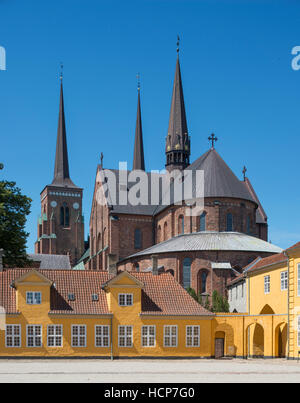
[[61, 170], [138, 157], [178, 143]]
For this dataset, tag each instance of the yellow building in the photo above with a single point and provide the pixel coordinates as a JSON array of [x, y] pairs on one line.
[[59, 313]]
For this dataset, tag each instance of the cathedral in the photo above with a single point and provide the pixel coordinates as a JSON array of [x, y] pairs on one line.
[[204, 252]]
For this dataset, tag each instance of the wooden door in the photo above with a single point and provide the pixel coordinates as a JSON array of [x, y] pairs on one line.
[[219, 348]]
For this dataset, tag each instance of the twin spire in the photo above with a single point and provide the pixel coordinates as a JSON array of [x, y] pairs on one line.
[[177, 141]]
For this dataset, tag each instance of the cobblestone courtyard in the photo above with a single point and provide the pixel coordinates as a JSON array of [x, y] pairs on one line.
[[167, 371]]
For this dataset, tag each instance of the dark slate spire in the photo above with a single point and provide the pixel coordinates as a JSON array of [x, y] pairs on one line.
[[61, 170], [177, 142], [138, 157]]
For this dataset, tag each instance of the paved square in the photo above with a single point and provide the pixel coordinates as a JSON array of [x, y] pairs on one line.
[[166, 371]]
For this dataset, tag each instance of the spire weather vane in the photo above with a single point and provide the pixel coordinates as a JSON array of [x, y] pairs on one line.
[[101, 159], [178, 43], [244, 172], [138, 76], [213, 139], [61, 71]]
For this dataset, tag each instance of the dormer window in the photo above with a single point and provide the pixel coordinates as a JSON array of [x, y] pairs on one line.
[[33, 298], [71, 297], [95, 297], [125, 299]]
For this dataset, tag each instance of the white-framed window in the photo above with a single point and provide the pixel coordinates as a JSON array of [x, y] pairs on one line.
[[284, 280], [193, 336], [55, 335], [267, 284], [148, 336], [13, 336], [34, 336], [125, 299], [299, 280], [78, 335], [33, 298], [170, 336], [125, 336], [102, 336]]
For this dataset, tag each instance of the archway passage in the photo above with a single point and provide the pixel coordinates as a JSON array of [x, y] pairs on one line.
[[255, 341], [281, 340]]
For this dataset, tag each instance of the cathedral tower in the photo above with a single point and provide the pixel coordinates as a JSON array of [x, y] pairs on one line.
[[177, 141], [61, 224]]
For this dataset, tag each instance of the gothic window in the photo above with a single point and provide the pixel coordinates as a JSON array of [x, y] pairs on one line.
[[248, 225], [64, 215], [137, 238], [180, 225], [202, 223], [159, 234], [202, 279], [229, 222], [187, 263], [165, 231]]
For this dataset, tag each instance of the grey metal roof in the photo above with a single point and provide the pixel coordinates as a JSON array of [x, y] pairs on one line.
[[219, 180], [138, 155], [211, 241], [55, 262]]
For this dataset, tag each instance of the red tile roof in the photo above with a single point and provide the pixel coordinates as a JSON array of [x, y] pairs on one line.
[[294, 246], [268, 261], [161, 294]]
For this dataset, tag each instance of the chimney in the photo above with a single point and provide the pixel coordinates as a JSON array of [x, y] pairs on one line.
[[112, 264], [154, 265], [1, 259]]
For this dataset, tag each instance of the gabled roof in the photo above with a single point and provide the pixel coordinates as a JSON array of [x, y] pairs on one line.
[[261, 217], [161, 294], [211, 241], [267, 261], [297, 245]]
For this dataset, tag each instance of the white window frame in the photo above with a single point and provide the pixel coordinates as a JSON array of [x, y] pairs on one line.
[[55, 336], [101, 337], [267, 284], [193, 336], [170, 336], [284, 280], [13, 336], [78, 336], [126, 301], [126, 336], [34, 336], [147, 336], [34, 299]]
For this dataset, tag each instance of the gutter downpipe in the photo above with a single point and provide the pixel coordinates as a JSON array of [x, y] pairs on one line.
[[288, 303], [111, 339]]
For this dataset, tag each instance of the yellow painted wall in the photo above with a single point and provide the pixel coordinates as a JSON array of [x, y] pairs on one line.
[[294, 302], [276, 301]]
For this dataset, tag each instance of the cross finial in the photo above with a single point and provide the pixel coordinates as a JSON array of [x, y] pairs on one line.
[[138, 76], [101, 159], [213, 139], [61, 71], [244, 172], [178, 43]]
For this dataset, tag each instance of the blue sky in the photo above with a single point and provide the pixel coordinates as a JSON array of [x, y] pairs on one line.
[[237, 78]]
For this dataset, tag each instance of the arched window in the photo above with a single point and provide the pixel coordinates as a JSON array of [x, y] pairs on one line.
[[248, 225], [64, 215], [203, 281], [202, 222], [180, 225], [165, 231], [137, 238], [187, 263], [229, 222], [158, 238]]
